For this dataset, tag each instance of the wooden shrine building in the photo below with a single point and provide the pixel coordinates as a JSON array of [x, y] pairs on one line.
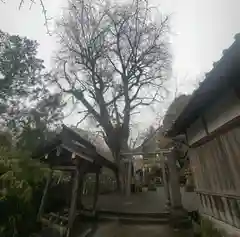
[[211, 125], [68, 151]]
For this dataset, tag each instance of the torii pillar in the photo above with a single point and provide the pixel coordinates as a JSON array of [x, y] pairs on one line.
[[165, 182]]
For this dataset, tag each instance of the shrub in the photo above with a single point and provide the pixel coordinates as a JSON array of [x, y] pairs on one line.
[[21, 180]]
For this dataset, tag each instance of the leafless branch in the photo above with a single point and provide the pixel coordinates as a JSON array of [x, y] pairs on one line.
[[20, 4], [44, 11], [84, 117], [114, 60]]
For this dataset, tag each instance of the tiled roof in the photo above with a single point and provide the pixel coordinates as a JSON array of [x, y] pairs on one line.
[[225, 72]]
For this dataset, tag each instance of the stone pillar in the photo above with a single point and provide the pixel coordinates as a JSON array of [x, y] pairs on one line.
[[165, 183], [175, 194], [129, 176], [178, 215]]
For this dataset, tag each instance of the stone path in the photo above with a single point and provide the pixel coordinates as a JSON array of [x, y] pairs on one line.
[[114, 229], [149, 202], [152, 201]]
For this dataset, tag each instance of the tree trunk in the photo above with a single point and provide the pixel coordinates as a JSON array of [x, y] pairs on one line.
[[122, 171], [120, 179]]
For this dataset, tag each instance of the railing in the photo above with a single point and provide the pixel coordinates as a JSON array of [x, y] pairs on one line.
[[224, 207]]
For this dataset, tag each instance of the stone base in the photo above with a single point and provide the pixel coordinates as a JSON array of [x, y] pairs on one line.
[[179, 218], [168, 206]]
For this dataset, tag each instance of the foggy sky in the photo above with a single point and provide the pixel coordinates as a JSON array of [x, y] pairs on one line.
[[201, 30]]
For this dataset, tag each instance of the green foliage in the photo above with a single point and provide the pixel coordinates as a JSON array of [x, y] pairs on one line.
[[21, 185], [21, 171], [30, 113], [25, 99], [19, 181], [19, 66]]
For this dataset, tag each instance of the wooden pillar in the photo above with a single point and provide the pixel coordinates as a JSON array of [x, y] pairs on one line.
[[82, 185], [44, 197], [165, 182], [73, 205], [96, 191]]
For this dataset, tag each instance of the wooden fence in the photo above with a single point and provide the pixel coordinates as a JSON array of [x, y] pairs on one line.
[[216, 169]]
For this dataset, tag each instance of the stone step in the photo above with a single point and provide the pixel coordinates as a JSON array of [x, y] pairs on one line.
[[134, 214], [134, 220]]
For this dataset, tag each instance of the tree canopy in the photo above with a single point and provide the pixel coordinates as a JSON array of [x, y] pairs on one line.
[[29, 113], [28, 108], [114, 60]]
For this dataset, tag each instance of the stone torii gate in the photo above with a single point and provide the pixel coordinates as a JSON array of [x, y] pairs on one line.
[[171, 182]]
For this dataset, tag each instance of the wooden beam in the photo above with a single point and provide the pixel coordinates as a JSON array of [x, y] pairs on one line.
[[157, 152], [72, 210], [65, 168], [204, 122], [44, 197], [219, 131], [76, 193], [96, 192], [62, 218], [80, 191], [231, 195], [81, 155]]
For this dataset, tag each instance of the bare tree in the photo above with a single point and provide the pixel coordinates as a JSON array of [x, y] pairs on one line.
[[114, 59]]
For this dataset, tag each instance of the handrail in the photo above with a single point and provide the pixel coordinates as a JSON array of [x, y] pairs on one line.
[[228, 195]]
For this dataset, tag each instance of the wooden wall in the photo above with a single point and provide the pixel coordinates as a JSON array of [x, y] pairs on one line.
[[217, 115], [196, 131], [224, 110], [216, 169]]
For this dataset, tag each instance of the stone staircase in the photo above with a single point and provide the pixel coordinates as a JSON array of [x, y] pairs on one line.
[[134, 218]]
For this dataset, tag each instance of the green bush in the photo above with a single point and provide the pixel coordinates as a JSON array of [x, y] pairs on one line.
[[21, 184], [18, 217]]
